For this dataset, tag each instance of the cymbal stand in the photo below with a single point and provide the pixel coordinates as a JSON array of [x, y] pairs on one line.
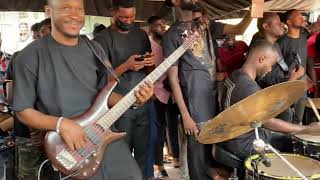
[[260, 146]]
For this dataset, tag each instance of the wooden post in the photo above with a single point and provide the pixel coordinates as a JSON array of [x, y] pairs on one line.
[[257, 8]]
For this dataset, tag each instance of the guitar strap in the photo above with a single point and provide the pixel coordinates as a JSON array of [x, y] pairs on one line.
[[106, 63]]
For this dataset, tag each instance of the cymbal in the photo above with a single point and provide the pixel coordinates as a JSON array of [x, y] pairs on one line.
[[259, 107], [316, 102]]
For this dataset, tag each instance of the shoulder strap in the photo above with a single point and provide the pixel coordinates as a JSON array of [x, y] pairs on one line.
[[106, 62]]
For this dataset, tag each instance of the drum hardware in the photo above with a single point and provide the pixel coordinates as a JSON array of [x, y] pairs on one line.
[[255, 167], [307, 142], [234, 175], [6, 108], [7, 143], [260, 146]]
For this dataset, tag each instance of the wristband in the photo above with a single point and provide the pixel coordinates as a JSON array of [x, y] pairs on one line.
[[59, 125]]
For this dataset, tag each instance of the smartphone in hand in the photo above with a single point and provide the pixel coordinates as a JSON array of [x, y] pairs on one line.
[[141, 58]]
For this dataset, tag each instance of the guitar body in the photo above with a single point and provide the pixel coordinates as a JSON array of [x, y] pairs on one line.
[[84, 164]]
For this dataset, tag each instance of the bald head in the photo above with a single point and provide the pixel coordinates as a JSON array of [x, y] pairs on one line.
[[261, 48], [262, 56]]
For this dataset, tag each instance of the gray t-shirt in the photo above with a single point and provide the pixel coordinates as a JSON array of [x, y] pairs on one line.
[[196, 70], [237, 87], [56, 79]]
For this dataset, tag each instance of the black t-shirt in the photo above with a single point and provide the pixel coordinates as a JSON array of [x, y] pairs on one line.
[[56, 79], [119, 47], [237, 87], [289, 46], [196, 70]]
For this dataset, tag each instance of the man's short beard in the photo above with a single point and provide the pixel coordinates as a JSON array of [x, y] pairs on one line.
[[187, 6], [299, 26], [258, 78], [66, 34]]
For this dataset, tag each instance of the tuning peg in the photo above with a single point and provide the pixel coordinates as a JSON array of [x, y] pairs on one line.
[[184, 34]]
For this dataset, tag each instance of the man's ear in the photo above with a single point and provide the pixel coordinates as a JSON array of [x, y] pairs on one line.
[[261, 59], [48, 10], [265, 25], [288, 22]]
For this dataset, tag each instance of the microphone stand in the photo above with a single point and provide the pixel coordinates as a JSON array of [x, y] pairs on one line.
[[259, 145]]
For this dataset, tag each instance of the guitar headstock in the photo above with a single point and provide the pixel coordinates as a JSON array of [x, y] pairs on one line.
[[189, 36]]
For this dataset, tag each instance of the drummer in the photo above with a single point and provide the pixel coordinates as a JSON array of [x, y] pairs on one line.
[[242, 83]]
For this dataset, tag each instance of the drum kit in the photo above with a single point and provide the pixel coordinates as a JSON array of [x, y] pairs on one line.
[[249, 114]]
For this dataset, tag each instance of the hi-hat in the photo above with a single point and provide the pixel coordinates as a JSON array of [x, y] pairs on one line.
[[259, 107]]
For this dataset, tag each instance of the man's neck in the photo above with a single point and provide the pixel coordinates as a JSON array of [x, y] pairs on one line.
[[183, 15], [270, 38], [67, 41], [156, 39], [250, 71], [293, 32]]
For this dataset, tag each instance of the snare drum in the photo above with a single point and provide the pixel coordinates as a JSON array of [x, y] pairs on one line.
[[307, 145], [279, 170]]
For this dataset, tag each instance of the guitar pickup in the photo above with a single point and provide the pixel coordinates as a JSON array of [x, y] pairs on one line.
[[66, 159]]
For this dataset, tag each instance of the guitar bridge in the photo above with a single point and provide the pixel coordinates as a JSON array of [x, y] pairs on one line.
[[66, 159]]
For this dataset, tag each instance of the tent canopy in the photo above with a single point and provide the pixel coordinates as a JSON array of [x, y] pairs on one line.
[[145, 8]]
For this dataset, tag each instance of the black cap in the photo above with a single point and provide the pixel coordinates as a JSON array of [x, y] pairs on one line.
[[168, 3]]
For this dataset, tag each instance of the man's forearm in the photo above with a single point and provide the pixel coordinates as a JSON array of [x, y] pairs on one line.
[[37, 120], [239, 28], [114, 99], [279, 125], [119, 71], [176, 90], [310, 71]]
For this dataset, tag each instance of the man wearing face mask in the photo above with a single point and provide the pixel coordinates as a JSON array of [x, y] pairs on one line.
[[195, 86], [124, 44]]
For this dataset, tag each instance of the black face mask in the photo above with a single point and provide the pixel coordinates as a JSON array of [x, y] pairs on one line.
[[124, 26], [157, 35]]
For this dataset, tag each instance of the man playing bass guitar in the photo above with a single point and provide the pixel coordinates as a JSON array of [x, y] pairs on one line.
[[57, 78]]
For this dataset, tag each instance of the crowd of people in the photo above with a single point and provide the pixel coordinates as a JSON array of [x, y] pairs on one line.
[[58, 77]]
